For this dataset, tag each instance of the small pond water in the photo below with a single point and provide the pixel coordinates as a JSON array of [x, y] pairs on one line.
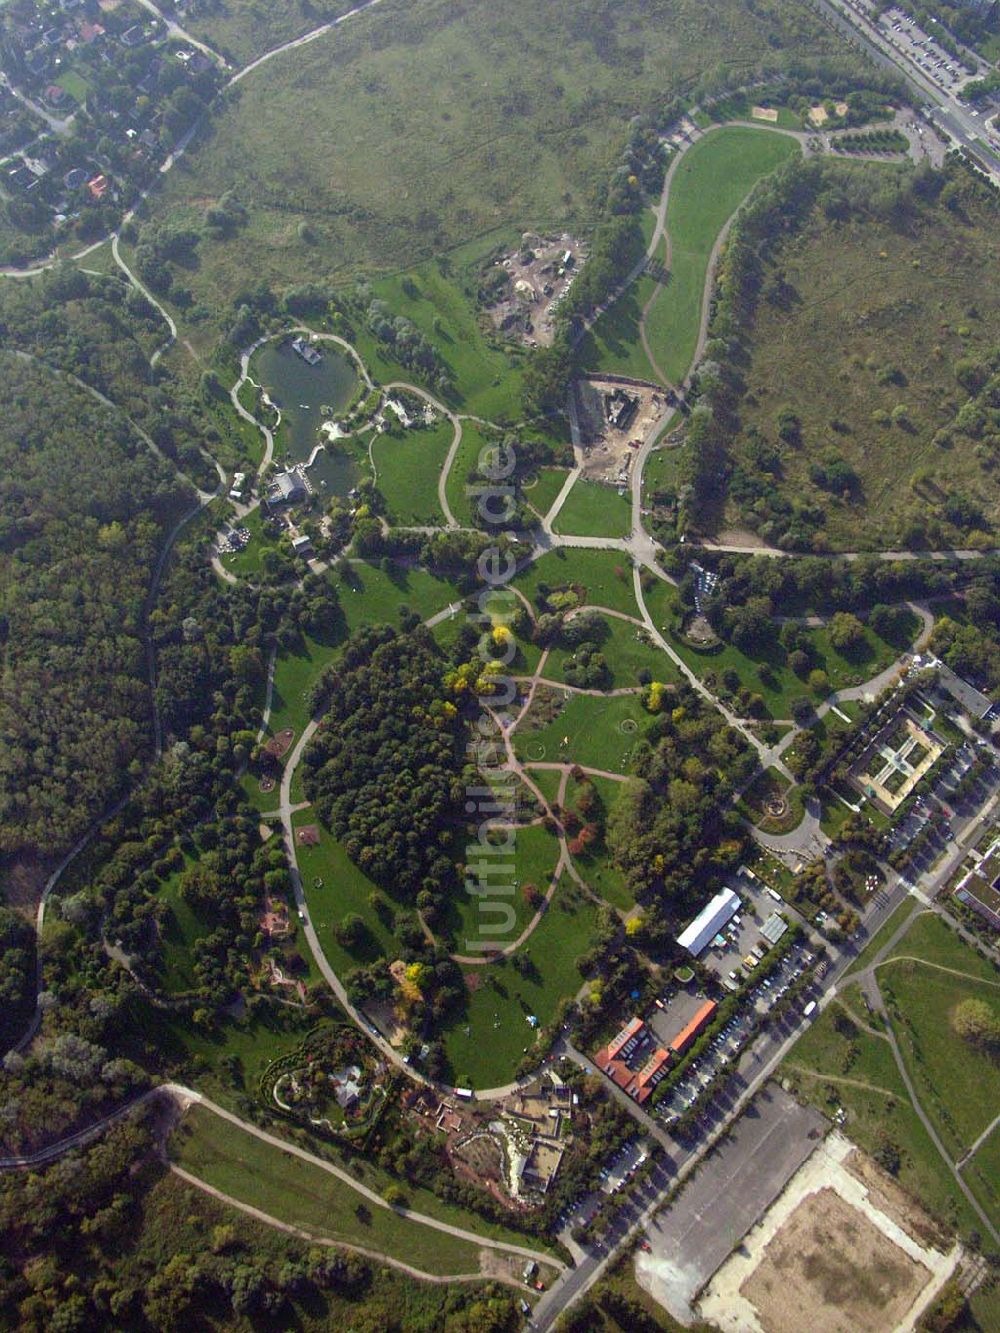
[[300, 390]]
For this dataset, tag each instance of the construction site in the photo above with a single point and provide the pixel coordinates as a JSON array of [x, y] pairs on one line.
[[613, 416]]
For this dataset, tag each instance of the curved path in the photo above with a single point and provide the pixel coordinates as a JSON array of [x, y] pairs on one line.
[[184, 1097], [313, 1238], [157, 306], [176, 33]]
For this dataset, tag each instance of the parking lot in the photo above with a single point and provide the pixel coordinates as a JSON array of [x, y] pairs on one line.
[[725, 1048], [731, 1189], [922, 50], [742, 935], [614, 1175]]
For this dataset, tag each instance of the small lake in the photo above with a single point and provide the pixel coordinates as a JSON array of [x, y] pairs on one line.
[[301, 390]]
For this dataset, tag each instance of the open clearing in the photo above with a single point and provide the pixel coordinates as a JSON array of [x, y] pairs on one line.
[[422, 122], [306, 1196]]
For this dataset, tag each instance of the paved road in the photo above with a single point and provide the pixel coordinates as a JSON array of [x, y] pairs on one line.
[[956, 122]]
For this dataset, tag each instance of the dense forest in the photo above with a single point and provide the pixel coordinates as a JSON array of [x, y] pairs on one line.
[[672, 830], [384, 763], [82, 506]]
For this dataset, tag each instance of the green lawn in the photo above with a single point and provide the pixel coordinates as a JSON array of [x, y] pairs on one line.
[[408, 468], [294, 676], [535, 854], [306, 1196], [246, 563], [592, 728], [485, 1045], [343, 889], [884, 932], [598, 869], [627, 651], [713, 179], [614, 345], [547, 781], [662, 471], [875, 1118], [372, 596], [594, 510], [958, 1085], [487, 377], [767, 673], [75, 85], [197, 1054], [542, 495], [606, 576], [982, 1175], [465, 473], [180, 931]]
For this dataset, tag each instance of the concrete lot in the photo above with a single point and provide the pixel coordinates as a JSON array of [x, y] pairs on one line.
[[732, 1188], [675, 1015]]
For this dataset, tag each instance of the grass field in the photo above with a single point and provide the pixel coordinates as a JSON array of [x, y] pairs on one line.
[[486, 1044], [242, 30], [430, 126], [335, 887], [714, 177], [598, 869], [886, 315], [408, 471], [879, 1114], [246, 563], [371, 596], [606, 576], [982, 1174], [180, 931], [594, 510], [536, 852], [436, 297], [465, 473], [592, 728], [884, 933], [627, 653], [306, 1196], [958, 1085], [542, 495], [614, 345]]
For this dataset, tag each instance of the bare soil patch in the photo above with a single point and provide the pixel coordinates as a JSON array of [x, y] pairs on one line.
[[607, 449], [830, 1260], [22, 880], [890, 1199], [764, 113], [280, 743]]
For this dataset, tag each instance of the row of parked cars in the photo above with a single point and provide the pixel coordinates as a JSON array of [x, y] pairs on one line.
[[728, 1044]]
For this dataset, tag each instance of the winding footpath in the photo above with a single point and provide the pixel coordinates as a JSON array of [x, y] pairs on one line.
[[643, 552]]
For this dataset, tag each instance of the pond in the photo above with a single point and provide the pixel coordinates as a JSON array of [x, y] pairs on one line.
[[301, 391]]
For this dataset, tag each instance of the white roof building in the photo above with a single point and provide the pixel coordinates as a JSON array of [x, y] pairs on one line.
[[707, 924]]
